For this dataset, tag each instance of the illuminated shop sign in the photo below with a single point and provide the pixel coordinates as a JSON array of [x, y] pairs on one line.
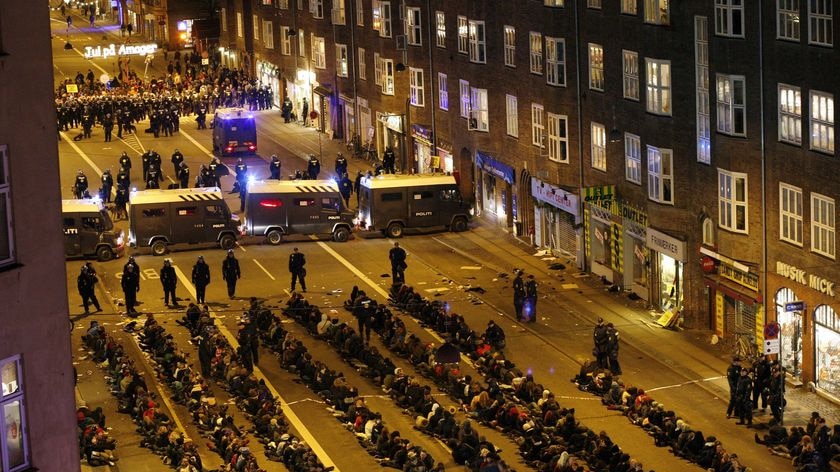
[[798, 275], [122, 50]]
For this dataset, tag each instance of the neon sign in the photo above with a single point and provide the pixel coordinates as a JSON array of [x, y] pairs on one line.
[[123, 50]]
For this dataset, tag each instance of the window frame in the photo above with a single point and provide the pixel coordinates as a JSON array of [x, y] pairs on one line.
[[594, 4], [385, 16], [727, 108], [319, 51], [268, 34], [658, 94], [557, 128], [537, 125], [633, 158], [703, 107], [728, 14], [480, 109], [338, 14], [463, 35], [440, 29], [826, 230], [658, 18], [413, 26], [342, 60], [598, 146], [387, 76], [824, 18], [629, 7], [239, 25], [255, 20], [826, 122], [596, 67], [223, 18], [360, 58], [416, 88], [443, 91], [377, 69], [657, 158], [630, 74], [791, 218], [554, 3], [789, 116], [19, 397], [511, 115], [729, 203], [509, 39], [788, 22], [8, 211], [464, 98], [360, 13], [555, 67], [316, 7], [536, 52], [477, 41]]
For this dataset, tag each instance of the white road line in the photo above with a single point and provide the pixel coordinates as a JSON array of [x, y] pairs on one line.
[[81, 153], [683, 384], [241, 247], [305, 434], [264, 269], [196, 143]]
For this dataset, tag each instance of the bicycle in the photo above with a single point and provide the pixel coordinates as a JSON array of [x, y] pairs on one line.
[[745, 347]]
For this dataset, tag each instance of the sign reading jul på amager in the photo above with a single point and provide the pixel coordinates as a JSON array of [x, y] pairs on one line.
[[122, 50]]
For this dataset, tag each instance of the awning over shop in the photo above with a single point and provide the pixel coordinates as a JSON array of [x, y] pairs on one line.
[[733, 290], [555, 196], [323, 91], [422, 133], [492, 166]]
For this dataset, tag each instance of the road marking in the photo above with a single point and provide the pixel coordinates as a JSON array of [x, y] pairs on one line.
[[197, 144], [305, 434], [683, 384], [264, 269]]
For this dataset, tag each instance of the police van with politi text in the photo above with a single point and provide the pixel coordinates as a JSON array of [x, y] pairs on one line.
[[89, 231]]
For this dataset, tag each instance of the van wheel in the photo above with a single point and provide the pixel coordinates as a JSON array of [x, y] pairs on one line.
[[395, 230], [274, 237], [159, 247], [341, 235], [459, 225], [104, 253], [227, 242]]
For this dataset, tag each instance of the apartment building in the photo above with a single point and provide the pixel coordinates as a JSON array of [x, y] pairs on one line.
[[682, 151]]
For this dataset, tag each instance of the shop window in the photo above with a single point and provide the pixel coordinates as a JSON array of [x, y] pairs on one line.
[[14, 447], [790, 334], [827, 349]]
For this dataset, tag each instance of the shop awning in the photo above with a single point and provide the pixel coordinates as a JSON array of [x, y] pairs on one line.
[[733, 290], [422, 133], [323, 91], [488, 164]]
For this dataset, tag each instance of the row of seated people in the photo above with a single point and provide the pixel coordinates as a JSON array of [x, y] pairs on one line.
[[814, 447], [95, 444]]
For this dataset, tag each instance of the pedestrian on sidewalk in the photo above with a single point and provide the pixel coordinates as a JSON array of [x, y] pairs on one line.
[[169, 282], [86, 283], [733, 374], [230, 272], [518, 295], [200, 278], [131, 285], [531, 299], [297, 263]]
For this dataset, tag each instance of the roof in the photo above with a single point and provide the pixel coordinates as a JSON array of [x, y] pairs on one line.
[[292, 186], [175, 195], [88, 204], [233, 112], [394, 181]]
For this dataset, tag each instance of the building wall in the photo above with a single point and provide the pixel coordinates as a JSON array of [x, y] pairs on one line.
[[34, 316]]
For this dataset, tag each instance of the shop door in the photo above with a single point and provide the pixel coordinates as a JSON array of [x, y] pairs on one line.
[[790, 336]]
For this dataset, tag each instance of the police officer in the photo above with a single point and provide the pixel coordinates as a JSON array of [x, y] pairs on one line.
[[147, 159], [203, 178], [230, 272], [125, 163], [733, 374], [200, 278], [340, 165], [156, 161], [177, 160], [153, 177], [397, 257], [107, 185], [313, 168], [518, 294], [81, 184], [122, 179], [241, 170], [212, 172], [131, 262], [357, 185], [108, 126], [531, 298], [388, 160], [345, 187], [274, 167], [131, 285], [297, 263], [120, 202], [201, 116], [169, 281], [184, 175], [87, 288]]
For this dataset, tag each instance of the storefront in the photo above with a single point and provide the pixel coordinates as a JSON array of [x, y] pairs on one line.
[[495, 189], [667, 266], [423, 159], [736, 304], [299, 90], [392, 133], [636, 259], [268, 74], [597, 219], [789, 317], [444, 150], [555, 215], [827, 350], [323, 102]]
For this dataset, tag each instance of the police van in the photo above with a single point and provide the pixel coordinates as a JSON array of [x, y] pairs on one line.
[[276, 208], [234, 132], [161, 218], [392, 203], [89, 231]]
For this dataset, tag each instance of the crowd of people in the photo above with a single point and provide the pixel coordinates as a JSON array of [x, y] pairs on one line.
[[95, 444]]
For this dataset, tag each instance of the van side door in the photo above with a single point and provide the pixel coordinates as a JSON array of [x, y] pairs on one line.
[[187, 223], [304, 216], [216, 217], [330, 213], [423, 208], [72, 239]]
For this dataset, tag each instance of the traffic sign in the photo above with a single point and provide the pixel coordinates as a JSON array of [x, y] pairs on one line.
[[771, 346], [771, 330], [795, 306]]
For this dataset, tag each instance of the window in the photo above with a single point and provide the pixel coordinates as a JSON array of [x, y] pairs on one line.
[[820, 23], [319, 52], [463, 34], [186, 211], [632, 158], [535, 40], [7, 240], [822, 121], [283, 4], [478, 45], [316, 7], [790, 214], [338, 12], [415, 77], [392, 197], [360, 13], [388, 76], [510, 45], [385, 15], [553, 3], [701, 60], [660, 175], [479, 110], [376, 11], [377, 69], [341, 60], [511, 116], [301, 42], [223, 17], [537, 125], [729, 18], [443, 92], [630, 66], [732, 200], [440, 29], [558, 137], [596, 67], [595, 4], [362, 64], [658, 73], [303, 202], [555, 61], [599, 146], [256, 23], [822, 225], [154, 212], [413, 26], [790, 114], [239, 27], [656, 12], [731, 105], [629, 7], [268, 35], [216, 211], [464, 93], [285, 41], [14, 446], [787, 19]]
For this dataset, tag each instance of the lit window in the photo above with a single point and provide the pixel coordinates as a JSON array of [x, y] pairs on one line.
[[255, 22], [553, 3], [629, 7], [443, 92], [223, 18], [822, 122], [416, 86], [413, 26], [301, 42], [362, 64], [511, 116], [268, 35], [387, 76], [790, 114], [555, 61], [599, 146], [787, 19], [558, 137], [338, 12], [732, 201], [596, 4], [239, 26], [820, 22], [14, 444], [790, 214], [377, 69], [537, 125], [463, 35], [316, 7], [660, 175], [385, 15], [658, 73], [701, 58], [341, 60], [656, 12], [536, 52], [510, 46], [596, 67], [319, 52], [729, 18], [283, 4], [731, 105], [632, 158], [464, 94], [376, 11], [478, 45], [7, 240], [822, 225], [630, 65], [440, 27], [360, 13], [479, 110]]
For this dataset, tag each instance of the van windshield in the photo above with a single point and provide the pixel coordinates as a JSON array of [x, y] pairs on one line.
[[107, 224]]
